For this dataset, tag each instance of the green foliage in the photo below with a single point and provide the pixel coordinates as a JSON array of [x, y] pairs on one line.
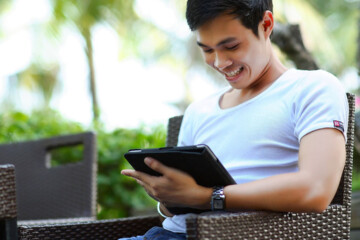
[[38, 77], [65, 155], [329, 29], [118, 196], [356, 182], [18, 126], [356, 171]]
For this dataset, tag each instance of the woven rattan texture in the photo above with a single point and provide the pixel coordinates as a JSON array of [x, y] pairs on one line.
[[263, 225], [349, 152], [334, 223], [94, 230], [173, 131], [7, 192], [67, 191], [343, 194]]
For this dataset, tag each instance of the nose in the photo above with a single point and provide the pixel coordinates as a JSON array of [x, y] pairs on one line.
[[221, 61]]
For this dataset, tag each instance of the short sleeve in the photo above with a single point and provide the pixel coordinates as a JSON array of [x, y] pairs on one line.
[[320, 102]]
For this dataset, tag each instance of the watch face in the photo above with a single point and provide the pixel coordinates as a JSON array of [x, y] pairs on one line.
[[218, 204]]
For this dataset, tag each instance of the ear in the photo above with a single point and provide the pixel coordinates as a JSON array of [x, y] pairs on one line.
[[267, 24]]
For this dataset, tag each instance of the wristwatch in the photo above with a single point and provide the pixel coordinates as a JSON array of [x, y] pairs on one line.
[[218, 199]]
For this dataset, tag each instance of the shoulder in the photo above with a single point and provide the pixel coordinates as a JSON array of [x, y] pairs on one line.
[[316, 83], [317, 78], [319, 100]]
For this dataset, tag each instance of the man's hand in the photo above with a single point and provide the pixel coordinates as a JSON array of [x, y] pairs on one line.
[[173, 188]]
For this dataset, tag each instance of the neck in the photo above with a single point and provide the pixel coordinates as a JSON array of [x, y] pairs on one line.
[[272, 71]]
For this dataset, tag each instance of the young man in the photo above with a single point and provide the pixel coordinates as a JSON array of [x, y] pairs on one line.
[[280, 133]]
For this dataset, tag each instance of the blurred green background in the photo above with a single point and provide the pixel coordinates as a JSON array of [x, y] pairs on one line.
[[121, 68]]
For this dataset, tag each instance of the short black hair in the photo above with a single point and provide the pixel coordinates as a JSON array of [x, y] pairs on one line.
[[249, 12]]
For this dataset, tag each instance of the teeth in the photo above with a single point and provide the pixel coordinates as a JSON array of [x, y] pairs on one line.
[[234, 73]]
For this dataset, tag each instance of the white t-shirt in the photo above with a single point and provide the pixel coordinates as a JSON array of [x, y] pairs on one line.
[[260, 137]]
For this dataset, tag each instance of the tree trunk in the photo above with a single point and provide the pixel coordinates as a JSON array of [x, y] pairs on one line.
[[288, 38], [90, 59]]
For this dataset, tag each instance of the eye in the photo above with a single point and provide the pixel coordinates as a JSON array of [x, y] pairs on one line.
[[207, 50], [232, 47]]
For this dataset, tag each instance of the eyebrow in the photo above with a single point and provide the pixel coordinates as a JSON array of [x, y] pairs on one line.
[[227, 40]]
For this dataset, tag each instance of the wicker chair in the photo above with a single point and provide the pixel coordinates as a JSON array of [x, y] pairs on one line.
[[333, 223], [8, 211], [60, 193]]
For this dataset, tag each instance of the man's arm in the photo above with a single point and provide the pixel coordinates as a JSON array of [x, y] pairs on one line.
[[321, 162]]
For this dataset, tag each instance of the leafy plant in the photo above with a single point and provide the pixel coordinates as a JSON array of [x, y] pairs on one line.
[[120, 195]]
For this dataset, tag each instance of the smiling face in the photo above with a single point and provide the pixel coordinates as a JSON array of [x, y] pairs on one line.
[[235, 51]]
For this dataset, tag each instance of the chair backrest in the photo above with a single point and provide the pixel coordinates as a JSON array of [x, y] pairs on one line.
[[343, 194], [44, 192], [173, 129], [8, 225]]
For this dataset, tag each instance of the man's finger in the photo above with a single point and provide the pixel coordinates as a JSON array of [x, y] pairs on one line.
[[137, 175], [158, 166], [146, 187]]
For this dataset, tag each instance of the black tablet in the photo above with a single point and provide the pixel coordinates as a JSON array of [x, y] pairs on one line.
[[197, 160]]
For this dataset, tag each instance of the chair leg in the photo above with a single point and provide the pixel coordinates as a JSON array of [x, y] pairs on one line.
[[8, 229]]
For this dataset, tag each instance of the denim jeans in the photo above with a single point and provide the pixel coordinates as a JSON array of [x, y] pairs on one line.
[[158, 233]]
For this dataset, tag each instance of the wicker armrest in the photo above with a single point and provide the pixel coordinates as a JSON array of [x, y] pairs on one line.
[[8, 209], [7, 192], [270, 225], [99, 229]]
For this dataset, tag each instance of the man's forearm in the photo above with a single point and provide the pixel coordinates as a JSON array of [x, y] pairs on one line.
[[285, 192]]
